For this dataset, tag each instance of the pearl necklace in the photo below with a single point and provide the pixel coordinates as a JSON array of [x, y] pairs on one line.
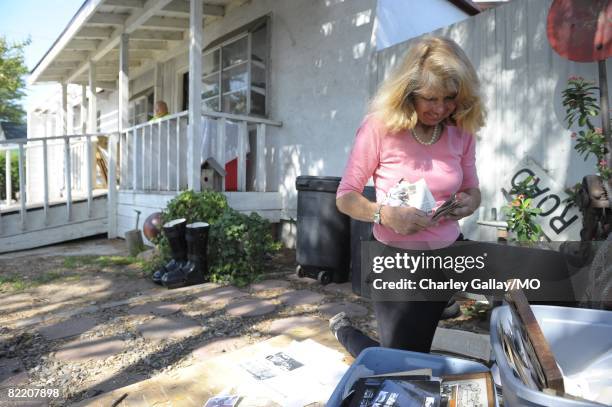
[[434, 137]]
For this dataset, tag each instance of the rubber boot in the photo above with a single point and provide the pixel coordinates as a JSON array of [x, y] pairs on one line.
[[175, 233], [195, 271]]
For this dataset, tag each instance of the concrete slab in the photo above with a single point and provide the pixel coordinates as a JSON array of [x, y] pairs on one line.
[[352, 310], [285, 325], [477, 346], [68, 328], [217, 347], [12, 303], [305, 280], [344, 288], [91, 349], [250, 308], [82, 247], [12, 372], [108, 382], [192, 385], [300, 297], [157, 308], [160, 328], [270, 285], [222, 294]]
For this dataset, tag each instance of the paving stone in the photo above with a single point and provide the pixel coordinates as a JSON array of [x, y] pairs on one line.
[[281, 326], [156, 308], [344, 288], [222, 294], [250, 308], [109, 381], [307, 280], [352, 310], [13, 303], [300, 297], [91, 349], [12, 372], [218, 346], [71, 327], [270, 285], [161, 328]]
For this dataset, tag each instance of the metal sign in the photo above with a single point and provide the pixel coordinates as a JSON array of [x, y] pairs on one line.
[[559, 222]]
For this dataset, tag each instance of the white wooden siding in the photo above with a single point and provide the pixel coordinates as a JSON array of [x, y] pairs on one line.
[[266, 204], [522, 79]]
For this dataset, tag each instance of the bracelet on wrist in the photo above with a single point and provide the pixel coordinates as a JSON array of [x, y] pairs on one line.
[[378, 215]]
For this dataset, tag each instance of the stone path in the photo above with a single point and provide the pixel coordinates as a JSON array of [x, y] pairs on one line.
[[98, 346], [107, 345]]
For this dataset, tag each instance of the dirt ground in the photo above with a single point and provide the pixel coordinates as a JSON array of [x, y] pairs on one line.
[[40, 289]]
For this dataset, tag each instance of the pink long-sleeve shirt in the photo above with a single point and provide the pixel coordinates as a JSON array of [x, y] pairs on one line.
[[448, 166]]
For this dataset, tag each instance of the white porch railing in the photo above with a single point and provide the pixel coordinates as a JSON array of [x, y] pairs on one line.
[[153, 155], [59, 169]]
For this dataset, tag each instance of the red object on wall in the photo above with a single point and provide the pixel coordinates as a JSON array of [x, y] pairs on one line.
[[231, 175], [581, 30]]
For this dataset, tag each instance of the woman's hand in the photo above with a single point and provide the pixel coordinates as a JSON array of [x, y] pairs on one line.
[[468, 203], [405, 221]]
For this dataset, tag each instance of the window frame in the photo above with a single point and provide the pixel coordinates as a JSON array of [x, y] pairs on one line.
[[249, 62], [141, 96]]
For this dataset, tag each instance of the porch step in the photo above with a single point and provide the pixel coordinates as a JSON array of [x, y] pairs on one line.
[[38, 229]]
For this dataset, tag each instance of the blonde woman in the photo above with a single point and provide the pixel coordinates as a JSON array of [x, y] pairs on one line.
[[421, 125]]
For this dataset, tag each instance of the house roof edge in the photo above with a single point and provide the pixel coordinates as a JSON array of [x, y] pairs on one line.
[[466, 6]]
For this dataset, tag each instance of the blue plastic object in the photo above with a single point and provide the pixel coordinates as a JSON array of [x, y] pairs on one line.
[[576, 337], [385, 360]]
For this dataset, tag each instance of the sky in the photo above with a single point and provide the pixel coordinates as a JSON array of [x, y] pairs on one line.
[[40, 20]]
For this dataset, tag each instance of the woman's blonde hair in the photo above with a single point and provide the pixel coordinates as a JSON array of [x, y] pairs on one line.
[[432, 63]]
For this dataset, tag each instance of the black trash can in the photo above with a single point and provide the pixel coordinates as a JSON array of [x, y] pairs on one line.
[[360, 232], [323, 233]]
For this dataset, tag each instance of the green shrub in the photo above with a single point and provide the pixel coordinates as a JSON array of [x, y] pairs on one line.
[[206, 206], [238, 245]]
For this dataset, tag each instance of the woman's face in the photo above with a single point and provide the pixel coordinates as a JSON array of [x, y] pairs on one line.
[[434, 106]]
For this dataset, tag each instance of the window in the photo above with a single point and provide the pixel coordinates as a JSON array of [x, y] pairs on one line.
[[141, 108], [235, 72]]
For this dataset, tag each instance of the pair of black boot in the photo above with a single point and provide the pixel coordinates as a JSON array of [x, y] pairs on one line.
[[188, 245]]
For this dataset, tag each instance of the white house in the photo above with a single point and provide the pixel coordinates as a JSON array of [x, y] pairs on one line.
[[282, 86], [276, 79]]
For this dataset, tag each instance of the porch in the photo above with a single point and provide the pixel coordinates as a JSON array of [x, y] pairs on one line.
[[153, 164], [87, 198], [104, 53]]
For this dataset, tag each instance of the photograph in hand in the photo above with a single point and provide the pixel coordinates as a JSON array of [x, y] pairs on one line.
[[446, 208]]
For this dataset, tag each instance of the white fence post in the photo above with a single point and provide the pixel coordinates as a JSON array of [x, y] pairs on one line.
[[134, 159], [68, 175], [221, 123], [89, 174], [9, 188], [243, 135], [45, 180], [112, 185], [260, 159], [22, 191]]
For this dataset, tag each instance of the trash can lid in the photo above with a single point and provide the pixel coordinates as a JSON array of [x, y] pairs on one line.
[[316, 183]]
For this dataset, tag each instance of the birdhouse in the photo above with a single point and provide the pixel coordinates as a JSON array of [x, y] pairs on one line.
[[212, 175]]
